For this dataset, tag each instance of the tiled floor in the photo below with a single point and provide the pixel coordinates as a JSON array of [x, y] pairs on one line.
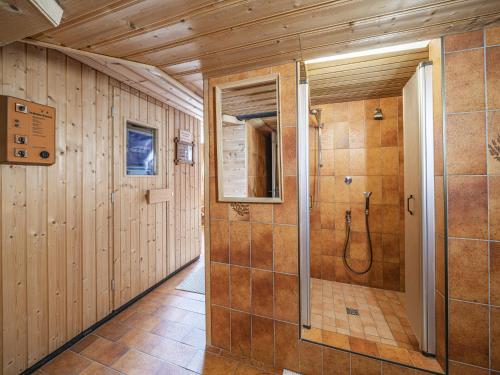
[[381, 329], [381, 313], [163, 333]]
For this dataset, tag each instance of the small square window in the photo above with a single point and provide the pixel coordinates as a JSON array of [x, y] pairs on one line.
[[141, 150]]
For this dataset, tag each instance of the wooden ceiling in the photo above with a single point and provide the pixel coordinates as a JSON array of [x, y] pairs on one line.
[[189, 38], [365, 77], [247, 100]]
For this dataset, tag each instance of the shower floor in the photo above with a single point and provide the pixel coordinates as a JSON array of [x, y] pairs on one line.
[[364, 320], [372, 314]]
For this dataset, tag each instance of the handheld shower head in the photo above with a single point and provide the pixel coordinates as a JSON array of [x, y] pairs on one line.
[[367, 195]]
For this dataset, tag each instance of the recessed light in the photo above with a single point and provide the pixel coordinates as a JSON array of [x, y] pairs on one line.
[[369, 52]]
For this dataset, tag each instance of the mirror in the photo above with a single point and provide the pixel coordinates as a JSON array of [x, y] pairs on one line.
[[249, 140]]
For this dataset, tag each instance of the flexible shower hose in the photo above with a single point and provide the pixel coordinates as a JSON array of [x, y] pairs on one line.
[[347, 246]]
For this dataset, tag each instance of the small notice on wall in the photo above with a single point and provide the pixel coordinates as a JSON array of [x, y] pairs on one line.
[[184, 148], [185, 136]]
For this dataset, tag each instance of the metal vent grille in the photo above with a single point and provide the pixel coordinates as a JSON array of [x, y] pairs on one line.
[[351, 311]]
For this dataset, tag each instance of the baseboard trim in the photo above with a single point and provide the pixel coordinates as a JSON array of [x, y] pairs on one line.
[[91, 329]]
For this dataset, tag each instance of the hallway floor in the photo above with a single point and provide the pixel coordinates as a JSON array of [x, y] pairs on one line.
[[163, 333]]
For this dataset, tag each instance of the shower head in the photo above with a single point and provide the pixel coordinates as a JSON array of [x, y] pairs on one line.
[[378, 115]]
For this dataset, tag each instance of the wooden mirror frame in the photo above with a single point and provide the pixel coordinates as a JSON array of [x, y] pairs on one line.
[[219, 142]]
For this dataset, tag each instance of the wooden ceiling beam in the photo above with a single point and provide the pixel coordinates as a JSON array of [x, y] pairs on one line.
[[142, 77]]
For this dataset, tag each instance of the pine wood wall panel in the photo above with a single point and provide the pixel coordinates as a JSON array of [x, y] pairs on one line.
[[56, 204], [62, 239]]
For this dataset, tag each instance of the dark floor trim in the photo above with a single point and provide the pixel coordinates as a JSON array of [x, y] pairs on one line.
[[91, 329]]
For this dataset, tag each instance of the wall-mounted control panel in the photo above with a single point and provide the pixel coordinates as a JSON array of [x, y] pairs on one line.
[[27, 132]]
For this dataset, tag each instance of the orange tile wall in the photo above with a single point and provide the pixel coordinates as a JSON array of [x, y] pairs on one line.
[[259, 327], [472, 84], [371, 151]]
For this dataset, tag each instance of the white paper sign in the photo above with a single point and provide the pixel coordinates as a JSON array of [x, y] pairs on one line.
[[185, 136]]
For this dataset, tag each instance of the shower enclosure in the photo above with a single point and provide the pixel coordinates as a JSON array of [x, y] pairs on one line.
[[366, 228]]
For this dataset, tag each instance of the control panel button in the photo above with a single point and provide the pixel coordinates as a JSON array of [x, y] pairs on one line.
[[20, 139], [21, 153], [44, 154], [20, 107]]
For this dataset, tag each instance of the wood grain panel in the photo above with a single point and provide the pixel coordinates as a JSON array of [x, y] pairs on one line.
[[374, 76], [36, 190], [187, 39], [62, 239]]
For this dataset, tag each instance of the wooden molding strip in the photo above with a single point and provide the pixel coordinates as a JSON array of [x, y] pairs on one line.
[[171, 92]]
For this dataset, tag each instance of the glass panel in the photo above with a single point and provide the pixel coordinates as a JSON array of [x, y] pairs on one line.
[[141, 150]]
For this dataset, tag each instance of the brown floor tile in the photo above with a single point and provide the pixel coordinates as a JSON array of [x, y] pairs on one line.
[[172, 330], [145, 322], [363, 346], [195, 337], [112, 330], [421, 361], [98, 369], [211, 364], [83, 343], [393, 353], [67, 363], [167, 349], [104, 351], [137, 363]]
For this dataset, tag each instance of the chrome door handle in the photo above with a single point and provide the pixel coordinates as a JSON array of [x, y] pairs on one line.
[[408, 204]]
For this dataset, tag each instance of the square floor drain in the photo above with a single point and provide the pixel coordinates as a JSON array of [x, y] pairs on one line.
[[351, 311]]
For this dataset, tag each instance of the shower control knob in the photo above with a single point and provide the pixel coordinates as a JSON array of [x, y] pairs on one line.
[[347, 180]]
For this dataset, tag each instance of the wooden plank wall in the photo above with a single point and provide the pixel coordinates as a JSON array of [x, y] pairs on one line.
[[61, 241]]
